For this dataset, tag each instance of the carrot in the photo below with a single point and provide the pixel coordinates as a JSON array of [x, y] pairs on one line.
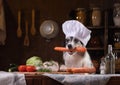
[[81, 49], [69, 70], [83, 70], [61, 49], [78, 49], [92, 70], [79, 70]]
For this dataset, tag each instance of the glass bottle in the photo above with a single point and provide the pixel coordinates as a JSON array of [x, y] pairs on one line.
[[110, 61], [116, 14], [81, 15], [96, 17]]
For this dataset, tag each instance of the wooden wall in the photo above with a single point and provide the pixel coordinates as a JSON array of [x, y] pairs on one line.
[[57, 10]]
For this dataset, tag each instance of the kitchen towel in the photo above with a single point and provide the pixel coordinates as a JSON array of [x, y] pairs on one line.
[[7, 78], [80, 79]]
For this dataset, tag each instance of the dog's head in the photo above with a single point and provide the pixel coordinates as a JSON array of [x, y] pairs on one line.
[[72, 43]]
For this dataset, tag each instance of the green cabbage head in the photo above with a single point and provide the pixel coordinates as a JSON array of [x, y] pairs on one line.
[[34, 61]]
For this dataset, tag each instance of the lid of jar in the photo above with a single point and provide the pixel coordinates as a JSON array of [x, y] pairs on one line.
[[117, 5], [96, 8], [117, 33], [79, 9]]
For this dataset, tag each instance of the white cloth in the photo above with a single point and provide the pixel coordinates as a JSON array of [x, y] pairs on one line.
[[76, 29], [80, 79], [12, 79]]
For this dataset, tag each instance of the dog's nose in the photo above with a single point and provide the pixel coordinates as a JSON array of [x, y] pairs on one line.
[[69, 46]]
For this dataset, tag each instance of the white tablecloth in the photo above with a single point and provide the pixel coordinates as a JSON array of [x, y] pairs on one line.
[[79, 79], [7, 78]]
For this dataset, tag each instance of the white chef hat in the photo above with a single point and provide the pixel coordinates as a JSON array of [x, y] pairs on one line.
[[76, 29]]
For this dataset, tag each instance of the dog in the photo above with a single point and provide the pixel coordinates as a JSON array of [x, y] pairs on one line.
[[76, 59]]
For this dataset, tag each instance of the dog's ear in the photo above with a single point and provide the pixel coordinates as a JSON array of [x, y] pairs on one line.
[[81, 43], [66, 40]]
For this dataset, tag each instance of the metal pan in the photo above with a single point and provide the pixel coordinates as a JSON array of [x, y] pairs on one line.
[[49, 29]]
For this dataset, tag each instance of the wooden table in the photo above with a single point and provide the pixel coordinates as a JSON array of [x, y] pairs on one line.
[[44, 80], [40, 80]]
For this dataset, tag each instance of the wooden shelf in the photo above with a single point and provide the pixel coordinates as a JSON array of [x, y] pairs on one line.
[[116, 48], [90, 48], [95, 27], [114, 27]]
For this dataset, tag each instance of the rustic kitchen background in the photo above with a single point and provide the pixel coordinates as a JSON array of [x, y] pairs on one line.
[[58, 10]]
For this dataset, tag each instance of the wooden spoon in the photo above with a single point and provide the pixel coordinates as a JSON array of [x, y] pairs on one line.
[[33, 30], [19, 31], [26, 39]]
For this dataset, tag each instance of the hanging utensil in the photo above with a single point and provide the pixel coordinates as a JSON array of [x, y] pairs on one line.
[[33, 30], [26, 39], [19, 31], [49, 29]]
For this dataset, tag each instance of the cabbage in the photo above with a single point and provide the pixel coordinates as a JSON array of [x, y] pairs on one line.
[[34, 61]]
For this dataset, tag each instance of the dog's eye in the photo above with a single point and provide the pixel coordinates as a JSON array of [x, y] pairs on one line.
[[76, 40]]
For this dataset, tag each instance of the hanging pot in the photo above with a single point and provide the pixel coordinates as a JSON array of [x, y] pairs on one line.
[[49, 29]]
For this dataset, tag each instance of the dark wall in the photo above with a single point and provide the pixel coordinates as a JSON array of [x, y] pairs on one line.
[[57, 10]]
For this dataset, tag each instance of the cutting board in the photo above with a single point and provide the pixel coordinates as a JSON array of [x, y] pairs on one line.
[[39, 73]]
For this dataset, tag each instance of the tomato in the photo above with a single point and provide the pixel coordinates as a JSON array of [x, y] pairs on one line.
[[30, 68], [22, 68]]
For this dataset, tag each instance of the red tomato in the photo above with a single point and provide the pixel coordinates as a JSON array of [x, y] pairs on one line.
[[22, 68], [30, 69]]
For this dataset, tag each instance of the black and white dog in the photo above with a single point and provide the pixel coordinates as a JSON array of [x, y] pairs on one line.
[[76, 59], [76, 35]]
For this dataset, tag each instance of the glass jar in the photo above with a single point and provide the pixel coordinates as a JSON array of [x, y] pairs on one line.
[[81, 15], [117, 40], [96, 17], [102, 66], [116, 14]]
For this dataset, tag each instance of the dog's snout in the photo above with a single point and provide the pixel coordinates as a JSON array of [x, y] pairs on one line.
[[69, 46]]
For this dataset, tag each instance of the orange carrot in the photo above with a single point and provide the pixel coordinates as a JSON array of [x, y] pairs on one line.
[[78, 49], [69, 70], [81, 49], [61, 49], [83, 70]]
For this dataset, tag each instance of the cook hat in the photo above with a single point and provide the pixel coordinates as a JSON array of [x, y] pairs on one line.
[[76, 29]]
